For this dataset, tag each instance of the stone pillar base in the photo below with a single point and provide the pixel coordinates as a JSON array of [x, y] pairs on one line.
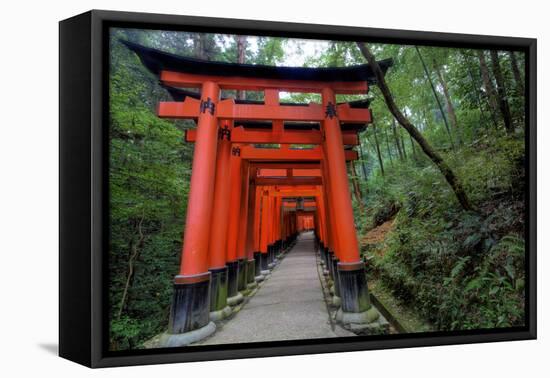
[[264, 258], [326, 254], [321, 250], [235, 300], [352, 287], [218, 315], [270, 254], [356, 313], [241, 275], [251, 286], [330, 265], [218, 290], [257, 263], [232, 278], [370, 322], [250, 271], [365, 317], [169, 340], [190, 303], [336, 275]]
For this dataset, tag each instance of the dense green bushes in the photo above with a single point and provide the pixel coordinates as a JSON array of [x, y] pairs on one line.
[[148, 172], [459, 270]]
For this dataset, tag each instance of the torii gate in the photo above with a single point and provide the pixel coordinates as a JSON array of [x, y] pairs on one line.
[[240, 214]]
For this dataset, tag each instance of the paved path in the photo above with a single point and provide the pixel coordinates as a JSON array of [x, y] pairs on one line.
[[288, 305]]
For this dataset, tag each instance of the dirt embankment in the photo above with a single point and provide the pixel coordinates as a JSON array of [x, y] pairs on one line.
[[378, 234]]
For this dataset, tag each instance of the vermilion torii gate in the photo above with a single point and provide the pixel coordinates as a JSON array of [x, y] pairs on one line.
[[247, 203]]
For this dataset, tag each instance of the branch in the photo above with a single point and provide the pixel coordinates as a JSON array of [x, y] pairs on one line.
[[434, 156]]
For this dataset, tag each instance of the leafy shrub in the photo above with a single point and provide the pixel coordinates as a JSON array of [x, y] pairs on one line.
[[459, 270]]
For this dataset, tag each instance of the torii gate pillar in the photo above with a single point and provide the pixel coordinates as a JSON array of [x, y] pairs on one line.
[[189, 313], [355, 303], [235, 263], [218, 230]]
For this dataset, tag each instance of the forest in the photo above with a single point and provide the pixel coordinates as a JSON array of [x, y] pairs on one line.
[[438, 190]]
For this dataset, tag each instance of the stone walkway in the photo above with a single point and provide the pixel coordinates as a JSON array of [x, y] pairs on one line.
[[289, 305]]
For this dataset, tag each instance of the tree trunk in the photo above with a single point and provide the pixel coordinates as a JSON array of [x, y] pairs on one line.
[[133, 257], [488, 86], [476, 86], [241, 58], [450, 107], [426, 121], [429, 78], [403, 145], [520, 88], [199, 46], [356, 188], [434, 156], [501, 90], [378, 149], [355, 181], [413, 147], [388, 146], [397, 144], [362, 157]]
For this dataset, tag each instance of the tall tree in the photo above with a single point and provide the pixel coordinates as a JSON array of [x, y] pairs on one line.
[[501, 90], [488, 86], [448, 101], [403, 148], [377, 145], [413, 147], [396, 138], [362, 158], [241, 58], [388, 147], [475, 89], [200, 46], [429, 78], [356, 187], [434, 156], [517, 74]]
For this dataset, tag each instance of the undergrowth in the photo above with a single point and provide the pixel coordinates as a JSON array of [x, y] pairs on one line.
[[459, 270]]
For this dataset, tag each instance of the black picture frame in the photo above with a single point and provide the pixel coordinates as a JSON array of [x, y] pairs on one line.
[[83, 181]]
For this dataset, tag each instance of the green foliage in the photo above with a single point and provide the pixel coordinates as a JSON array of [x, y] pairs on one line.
[[270, 51], [149, 167], [459, 270], [123, 332]]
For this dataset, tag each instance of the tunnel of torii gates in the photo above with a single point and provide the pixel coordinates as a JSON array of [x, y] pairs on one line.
[[247, 203]]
